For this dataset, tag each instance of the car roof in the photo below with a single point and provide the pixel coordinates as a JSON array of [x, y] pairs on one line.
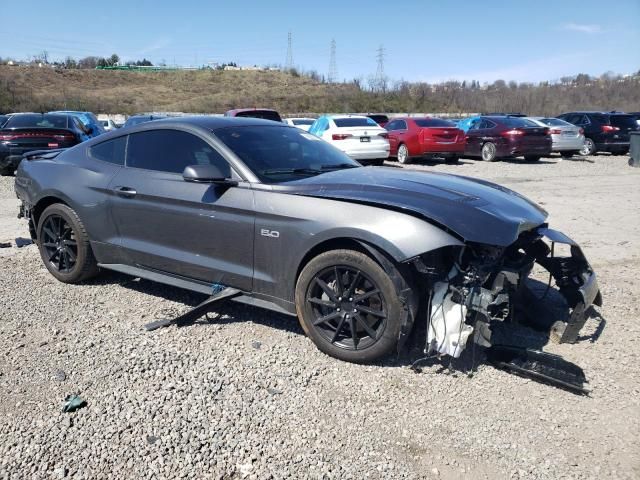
[[241, 110], [597, 112]]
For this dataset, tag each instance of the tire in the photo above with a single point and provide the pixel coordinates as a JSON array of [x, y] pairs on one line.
[[531, 158], [403, 154], [361, 338], [64, 245], [589, 147], [451, 160], [488, 153]]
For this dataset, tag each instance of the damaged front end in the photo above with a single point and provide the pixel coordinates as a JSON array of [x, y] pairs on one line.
[[480, 285]]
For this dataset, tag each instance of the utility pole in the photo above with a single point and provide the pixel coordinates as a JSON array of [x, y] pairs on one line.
[[289, 63], [380, 80], [333, 69]]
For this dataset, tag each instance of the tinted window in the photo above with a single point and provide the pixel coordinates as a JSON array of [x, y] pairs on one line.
[[515, 122], [475, 124], [601, 119], [433, 122], [555, 122], [111, 151], [272, 152], [46, 121], [171, 151], [355, 122], [264, 114], [302, 122], [379, 118], [623, 121], [392, 125]]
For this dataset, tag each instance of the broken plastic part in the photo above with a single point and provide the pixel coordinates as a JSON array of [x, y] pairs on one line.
[[73, 403]]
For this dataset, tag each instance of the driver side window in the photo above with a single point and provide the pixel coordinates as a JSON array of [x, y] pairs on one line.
[[171, 151]]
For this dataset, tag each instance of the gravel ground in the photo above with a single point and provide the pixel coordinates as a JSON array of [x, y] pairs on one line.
[[247, 395]]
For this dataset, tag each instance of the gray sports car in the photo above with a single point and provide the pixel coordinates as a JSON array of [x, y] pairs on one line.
[[298, 227]]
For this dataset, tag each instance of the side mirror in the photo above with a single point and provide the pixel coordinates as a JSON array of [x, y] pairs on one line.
[[206, 174]]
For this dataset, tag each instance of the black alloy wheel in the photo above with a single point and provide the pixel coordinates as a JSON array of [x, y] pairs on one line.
[[59, 244], [349, 310]]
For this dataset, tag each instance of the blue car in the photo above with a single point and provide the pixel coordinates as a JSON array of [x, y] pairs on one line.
[[465, 124], [88, 119]]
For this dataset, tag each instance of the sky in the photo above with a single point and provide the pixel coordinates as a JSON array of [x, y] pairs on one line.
[[423, 40]]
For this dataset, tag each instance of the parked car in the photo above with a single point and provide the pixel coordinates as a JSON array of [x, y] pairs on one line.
[[108, 125], [380, 118], [411, 137], [359, 137], [292, 224], [493, 138], [566, 138], [90, 122], [301, 123], [27, 132], [603, 131], [141, 118], [264, 113]]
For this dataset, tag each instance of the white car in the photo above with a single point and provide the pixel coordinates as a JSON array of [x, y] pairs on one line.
[[108, 124], [302, 123], [566, 138], [359, 137]]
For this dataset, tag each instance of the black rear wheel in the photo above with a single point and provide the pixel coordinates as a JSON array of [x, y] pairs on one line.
[[348, 305], [64, 245]]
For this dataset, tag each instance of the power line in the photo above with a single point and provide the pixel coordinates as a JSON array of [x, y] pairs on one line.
[[289, 62], [333, 69]]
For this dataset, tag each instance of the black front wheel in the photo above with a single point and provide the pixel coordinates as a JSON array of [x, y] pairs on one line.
[[348, 305], [64, 245]]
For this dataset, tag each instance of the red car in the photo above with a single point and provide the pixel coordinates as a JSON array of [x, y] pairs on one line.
[[497, 137], [424, 137]]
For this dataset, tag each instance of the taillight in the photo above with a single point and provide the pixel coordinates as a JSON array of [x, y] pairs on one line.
[[64, 138], [6, 138], [383, 135], [581, 131], [515, 131], [341, 136], [609, 128], [554, 131]]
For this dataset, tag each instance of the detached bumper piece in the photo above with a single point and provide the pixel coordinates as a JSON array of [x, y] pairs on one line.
[[577, 283], [196, 312], [539, 366]]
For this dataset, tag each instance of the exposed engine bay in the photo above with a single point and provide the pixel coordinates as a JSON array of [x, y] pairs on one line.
[[482, 285]]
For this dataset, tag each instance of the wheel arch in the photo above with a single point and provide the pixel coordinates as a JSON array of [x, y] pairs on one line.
[[39, 207]]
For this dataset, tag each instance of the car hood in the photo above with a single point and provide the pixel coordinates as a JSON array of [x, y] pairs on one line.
[[475, 210]]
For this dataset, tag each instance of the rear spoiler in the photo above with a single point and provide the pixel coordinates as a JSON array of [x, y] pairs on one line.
[[43, 154]]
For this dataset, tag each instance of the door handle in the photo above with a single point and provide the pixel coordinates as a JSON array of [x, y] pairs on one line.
[[125, 192]]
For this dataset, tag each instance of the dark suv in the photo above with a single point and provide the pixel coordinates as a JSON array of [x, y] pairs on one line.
[[603, 131]]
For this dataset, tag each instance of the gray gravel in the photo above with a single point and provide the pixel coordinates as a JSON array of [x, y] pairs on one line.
[[247, 395]]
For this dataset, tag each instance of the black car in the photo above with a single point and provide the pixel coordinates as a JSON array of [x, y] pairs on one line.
[[380, 118], [603, 131], [26, 132]]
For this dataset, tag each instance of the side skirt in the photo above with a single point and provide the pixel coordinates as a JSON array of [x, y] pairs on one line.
[[248, 298]]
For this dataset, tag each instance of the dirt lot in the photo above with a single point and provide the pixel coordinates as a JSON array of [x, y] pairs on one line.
[[248, 396]]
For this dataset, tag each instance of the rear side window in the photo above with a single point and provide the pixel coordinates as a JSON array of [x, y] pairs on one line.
[[433, 122], [623, 121], [171, 151], [355, 122], [111, 151]]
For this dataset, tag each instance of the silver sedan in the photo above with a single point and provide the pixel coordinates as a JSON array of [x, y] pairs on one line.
[[567, 139]]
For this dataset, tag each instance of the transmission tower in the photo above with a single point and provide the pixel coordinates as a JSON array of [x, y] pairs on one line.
[[289, 63], [333, 69], [380, 80]]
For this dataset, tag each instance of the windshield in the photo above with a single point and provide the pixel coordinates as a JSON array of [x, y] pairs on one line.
[[555, 122], [264, 114], [48, 121], [433, 122], [355, 122], [623, 121], [281, 154]]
